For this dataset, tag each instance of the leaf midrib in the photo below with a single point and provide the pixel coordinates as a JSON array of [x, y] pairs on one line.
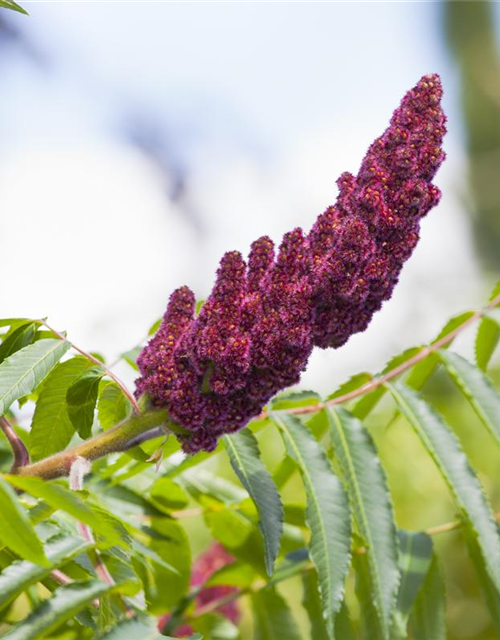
[[26, 374], [371, 548]]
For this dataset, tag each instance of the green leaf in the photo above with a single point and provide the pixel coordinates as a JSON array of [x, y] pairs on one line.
[[131, 356], [478, 390], [170, 542], [312, 604], [113, 407], [445, 450], [343, 625], [294, 399], [273, 619], [244, 455], [229, 527], [495, 293], [415, 555], [327, 514], [372, 508], [10, 4], [167, 494], [81, 399], [236, 574], [17, 340], [369, 401], [428, 618], [9, 322], [424, 369], [71, 502], [369, 617], [52, 613], [134, 629], [21, 372], [18, 576], [16, 529], [51, 428], [491, 593], [284, 471], [355, 382], [487, 338]]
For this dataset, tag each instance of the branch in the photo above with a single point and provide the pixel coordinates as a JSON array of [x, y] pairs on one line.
[[21, 455], [122, 437], [96, 361], [405, 366]]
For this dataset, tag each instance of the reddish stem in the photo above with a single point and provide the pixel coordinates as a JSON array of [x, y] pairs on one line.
[[405, 366], [96, 361], [21, 455]]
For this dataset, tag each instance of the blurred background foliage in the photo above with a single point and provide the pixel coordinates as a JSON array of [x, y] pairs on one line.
[[469, 32]]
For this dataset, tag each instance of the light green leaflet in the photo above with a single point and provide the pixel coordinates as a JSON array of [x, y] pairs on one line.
[[372, 508], [327, 514], [21, 372]]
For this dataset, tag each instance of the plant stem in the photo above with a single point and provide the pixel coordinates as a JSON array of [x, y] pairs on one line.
[[122, 437], [405, 366], [96, 361], [21, 455]]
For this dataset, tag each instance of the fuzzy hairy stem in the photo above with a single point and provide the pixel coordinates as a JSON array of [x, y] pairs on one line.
[[405, 366], [97, 362], [122, 437]]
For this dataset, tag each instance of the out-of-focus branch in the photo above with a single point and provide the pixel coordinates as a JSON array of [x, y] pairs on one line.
[[21, 455]]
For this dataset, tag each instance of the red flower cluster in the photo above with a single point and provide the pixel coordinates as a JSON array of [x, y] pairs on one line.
[[214, 558], [254, 335]]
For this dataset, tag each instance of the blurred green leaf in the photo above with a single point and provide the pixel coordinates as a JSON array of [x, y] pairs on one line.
[[273, 619], [18, 576], [491, 593], [133, 629], [18, 339], [81, 399], [16, 529], [52, 613], [415, 556], [370, 619], [9, 322], [72, 503], [51, 428], [327, 513], [236, 574], [421, 372], [372, 508], [169, 540], [244, 454], [312, 604], [169, 495], [445, 449], [284, 471], [21, 372], [229, 527], [131, 356], [355, 382], [478, 390], [10, 4], [428, 617], [370, 400], [487, 337], [113, 406], [294, 399]]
